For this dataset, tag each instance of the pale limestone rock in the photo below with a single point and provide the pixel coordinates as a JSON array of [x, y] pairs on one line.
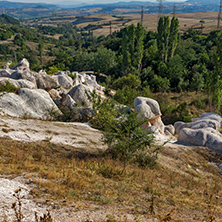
[[29, 103], [78, 93], [208, 137], [20, 83], [23, 65]]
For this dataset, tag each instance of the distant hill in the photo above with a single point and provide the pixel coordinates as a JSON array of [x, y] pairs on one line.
[[7, 4], [6, 19], [204, 2]]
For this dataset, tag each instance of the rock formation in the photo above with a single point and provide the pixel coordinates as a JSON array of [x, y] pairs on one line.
[[149, 109], [202, 131], [28, 103], [58, 91]]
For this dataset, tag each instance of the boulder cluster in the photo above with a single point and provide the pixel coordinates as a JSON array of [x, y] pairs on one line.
[[40, 95]]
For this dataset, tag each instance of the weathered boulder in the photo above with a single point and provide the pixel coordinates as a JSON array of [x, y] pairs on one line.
[[78, 93], [207, 136], [42, 80], [67, 101], [202, 131], [28, 75], [146, 108], [169, 130], [45, 81], [29, 103], [82, 114], [149, 109], [212, 120], [5, 72], [23, 65], [64, 80], [20, 83]]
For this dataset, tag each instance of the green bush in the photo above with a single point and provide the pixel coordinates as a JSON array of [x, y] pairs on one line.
[[126, 96], [122, 133], [129, 143]]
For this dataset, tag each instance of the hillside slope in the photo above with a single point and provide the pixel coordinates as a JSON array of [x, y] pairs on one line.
[[77, 184]]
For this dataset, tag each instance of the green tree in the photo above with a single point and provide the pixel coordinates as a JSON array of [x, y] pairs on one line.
[[139, 46], [216, 78], [104, 60], [130, 80], [131, 40], [197, 82], [40, 49], [159, 84], [167, 37], [174, 36], [125, 52]]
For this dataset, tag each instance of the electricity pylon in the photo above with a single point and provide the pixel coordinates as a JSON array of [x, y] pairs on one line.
[[219, 15]]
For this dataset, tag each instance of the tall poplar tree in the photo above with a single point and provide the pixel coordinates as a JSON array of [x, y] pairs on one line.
[[125, 52], [139, 46], [160, 38], [167, 38], [216, 78], [131, 38], [166, 34], [174, 36]]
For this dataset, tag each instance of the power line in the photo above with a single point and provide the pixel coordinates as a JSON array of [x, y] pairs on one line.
[[110, 29]]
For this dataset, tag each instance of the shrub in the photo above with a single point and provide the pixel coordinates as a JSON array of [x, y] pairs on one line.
[[128, 142], [122, 133]]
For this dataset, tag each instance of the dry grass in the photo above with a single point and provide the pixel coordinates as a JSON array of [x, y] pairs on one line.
[[185, 187], [187, 20]]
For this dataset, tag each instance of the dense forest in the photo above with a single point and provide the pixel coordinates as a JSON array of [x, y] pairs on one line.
[[136, 61]]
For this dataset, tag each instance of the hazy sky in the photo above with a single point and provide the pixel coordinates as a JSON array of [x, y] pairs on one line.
[[82, 1]]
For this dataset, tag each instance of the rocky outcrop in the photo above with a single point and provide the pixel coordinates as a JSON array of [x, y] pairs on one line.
[[20, 83], [5, 72], [28, 103], [79, 95], [45, 81], [202, 131], [23, 65], [63, 79], [27, 75], [149, 109], [146, 108], [207, 137]]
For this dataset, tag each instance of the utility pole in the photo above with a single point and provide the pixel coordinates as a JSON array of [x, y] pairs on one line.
[[142, 12], [160, 14], [92, 39], [110, 29], [174, 10], [79, 43], [219, 15]]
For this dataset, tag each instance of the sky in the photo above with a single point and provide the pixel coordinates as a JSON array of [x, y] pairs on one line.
[[73, 2]]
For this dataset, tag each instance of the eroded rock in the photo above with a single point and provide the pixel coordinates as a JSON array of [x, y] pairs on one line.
[[28, 103]]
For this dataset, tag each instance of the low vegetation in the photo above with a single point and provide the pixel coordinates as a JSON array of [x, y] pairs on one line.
[[183, 183]]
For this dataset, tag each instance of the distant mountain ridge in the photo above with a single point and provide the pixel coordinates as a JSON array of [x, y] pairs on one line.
[[7, 4], [31, 10]]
